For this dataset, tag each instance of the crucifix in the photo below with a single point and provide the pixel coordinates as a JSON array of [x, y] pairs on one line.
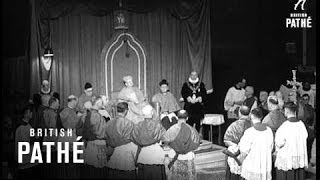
[[295, 84]]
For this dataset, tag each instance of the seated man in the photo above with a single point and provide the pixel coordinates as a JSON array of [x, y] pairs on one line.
[[135, 99], [45, 93], [166, 100], [87, 95]]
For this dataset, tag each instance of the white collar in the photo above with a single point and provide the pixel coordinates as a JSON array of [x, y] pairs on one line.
[[24, 120], [291, 116], [193, 81], [45, 92]]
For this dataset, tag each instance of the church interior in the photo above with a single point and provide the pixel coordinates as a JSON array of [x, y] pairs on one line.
[[68, 44]]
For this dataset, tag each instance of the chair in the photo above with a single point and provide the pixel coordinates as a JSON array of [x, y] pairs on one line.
[[124, 55]]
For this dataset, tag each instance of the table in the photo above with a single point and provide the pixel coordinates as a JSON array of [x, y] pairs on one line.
[[213, 120]]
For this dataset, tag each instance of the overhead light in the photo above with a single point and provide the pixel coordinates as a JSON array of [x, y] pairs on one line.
[[48, 52]]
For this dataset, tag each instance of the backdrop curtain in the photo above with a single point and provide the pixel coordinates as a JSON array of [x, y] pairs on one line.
[[176, 35]]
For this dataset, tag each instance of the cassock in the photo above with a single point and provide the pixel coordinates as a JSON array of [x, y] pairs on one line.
[[136, 101], [233, 96], [257, 145], [23, 135], [50, 121], [122, 160], [195, 110], [83, 99], [69, 120], [251, 102], [231, 138], [264, 107], [291, 150], [274, 119], [236, 129], [167, 101], [96, 150]]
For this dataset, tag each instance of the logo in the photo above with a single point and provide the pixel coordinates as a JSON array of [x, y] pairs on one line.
[[299, 2], [297, 19]]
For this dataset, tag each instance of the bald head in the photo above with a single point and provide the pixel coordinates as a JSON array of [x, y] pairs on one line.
[[244, 111]]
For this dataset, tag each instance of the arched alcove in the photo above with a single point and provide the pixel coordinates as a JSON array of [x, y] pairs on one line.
[[123, 55]]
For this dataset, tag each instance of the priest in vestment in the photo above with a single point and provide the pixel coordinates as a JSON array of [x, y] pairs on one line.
[[234, 99], [291, 146], [166, 99], [86, 96], [275, 117], [135, 99]]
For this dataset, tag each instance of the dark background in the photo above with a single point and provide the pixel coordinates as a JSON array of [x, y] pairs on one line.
[[248, 38]]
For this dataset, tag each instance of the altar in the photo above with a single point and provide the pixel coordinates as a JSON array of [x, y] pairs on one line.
[[210, 161]]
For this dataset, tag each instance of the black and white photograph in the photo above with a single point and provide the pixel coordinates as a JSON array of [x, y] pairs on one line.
[[158, 89]]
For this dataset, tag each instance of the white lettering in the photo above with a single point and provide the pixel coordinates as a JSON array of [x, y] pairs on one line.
[[31, 132], [64, 151], [309, 22], [21, 152], [62, 132], [288, 22], [48, 150], [69, 132], [77, 151], [39, 132], [36, 153]]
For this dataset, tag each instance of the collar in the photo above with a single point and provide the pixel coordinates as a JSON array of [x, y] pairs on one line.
[[51, 109], [94, 108], [245, 118], [293, 119], [24, 121], [259, 126], [45, 92], [235, 86], [193, 81]]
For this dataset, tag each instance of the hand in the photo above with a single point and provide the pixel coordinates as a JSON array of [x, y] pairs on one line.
[[199, 99], [241, 157], [311, 127], [189, 99], [79, 114]]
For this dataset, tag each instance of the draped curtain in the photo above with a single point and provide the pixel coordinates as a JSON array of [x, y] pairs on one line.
[[176, 35]]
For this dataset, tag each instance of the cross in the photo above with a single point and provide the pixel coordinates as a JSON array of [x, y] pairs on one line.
[[295, 84]]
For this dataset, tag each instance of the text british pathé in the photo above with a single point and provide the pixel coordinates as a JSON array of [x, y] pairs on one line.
[[25, 148]]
